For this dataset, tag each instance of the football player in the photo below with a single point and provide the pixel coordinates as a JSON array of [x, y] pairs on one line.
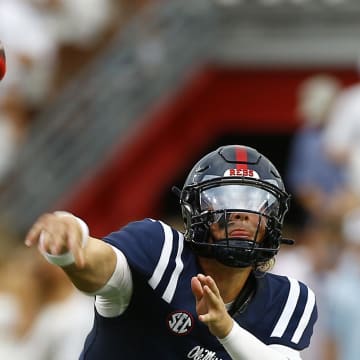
[[201, 294]]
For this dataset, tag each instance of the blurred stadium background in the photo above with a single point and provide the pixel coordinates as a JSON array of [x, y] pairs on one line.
[[175, 80], [108, 103]]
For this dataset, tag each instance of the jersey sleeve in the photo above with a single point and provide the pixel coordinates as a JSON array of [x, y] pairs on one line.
[[293, 323], [144, 243]]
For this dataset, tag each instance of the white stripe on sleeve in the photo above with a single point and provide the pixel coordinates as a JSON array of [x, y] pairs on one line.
[[310, 303], [288, 310], [170, 290], [164, 257]]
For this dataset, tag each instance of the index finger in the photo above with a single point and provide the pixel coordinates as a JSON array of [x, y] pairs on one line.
[[196, 288], [33, 235]]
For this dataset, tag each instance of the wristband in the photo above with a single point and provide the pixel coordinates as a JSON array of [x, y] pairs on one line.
[[68, 257], [60, 260]]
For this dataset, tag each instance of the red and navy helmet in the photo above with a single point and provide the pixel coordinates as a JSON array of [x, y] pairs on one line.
[[2, 61], [234, 179]]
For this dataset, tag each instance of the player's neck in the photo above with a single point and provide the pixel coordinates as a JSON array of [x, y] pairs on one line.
[[230, 280]]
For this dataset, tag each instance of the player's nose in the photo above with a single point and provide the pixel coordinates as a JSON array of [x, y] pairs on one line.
[[239, 216]]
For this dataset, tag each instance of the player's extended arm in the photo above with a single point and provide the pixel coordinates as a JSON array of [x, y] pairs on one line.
[[238, 342], [60, 235]]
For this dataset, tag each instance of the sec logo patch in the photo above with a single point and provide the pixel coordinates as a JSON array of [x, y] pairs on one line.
[[180, 322]]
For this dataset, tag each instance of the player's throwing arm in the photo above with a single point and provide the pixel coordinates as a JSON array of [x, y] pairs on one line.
[[63, 239]]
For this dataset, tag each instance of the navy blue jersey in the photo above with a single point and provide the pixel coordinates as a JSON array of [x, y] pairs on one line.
[[161, 320]]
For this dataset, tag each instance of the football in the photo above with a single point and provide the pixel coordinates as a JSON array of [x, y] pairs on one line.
[[2, 61]]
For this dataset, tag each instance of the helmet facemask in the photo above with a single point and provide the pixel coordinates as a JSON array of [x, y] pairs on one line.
[[226, 205]]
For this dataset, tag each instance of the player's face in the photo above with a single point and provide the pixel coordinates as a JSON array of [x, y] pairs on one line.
[[240, 225], [238, 210]]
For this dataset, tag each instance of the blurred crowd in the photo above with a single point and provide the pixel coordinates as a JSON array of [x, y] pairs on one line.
[[47, 42], [43, 317], [323, 176]]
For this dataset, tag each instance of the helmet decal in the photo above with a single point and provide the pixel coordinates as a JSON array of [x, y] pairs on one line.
[[241, 157], [242, 172]]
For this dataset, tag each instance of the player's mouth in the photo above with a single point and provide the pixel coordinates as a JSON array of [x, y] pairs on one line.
[[239, 233]]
